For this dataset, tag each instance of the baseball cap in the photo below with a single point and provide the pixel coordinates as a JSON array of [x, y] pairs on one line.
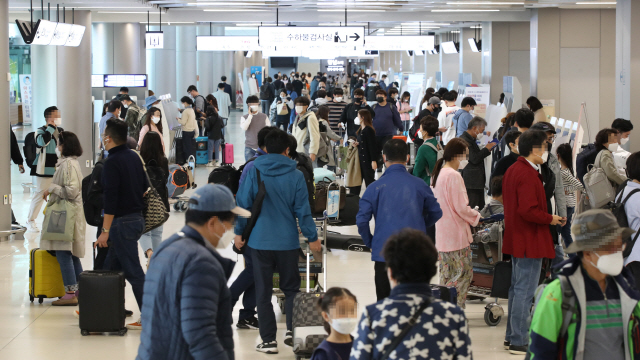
[[595, 228], [215, 198], [543, 126], [434, 100]]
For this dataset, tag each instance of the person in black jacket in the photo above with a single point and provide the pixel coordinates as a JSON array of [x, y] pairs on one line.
[[157, 165], [297, 85], [350, 112], [16, 156], [474, 174], [367, 147], [511, 139], [213, 126]]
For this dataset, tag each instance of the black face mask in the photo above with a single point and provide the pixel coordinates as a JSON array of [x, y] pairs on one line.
[[380, 99], [549, 146], [357, 100]]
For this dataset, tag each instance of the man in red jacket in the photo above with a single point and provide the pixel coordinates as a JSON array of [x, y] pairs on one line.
[[526, 238]]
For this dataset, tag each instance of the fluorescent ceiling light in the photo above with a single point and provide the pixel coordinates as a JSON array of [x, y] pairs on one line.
[[484, 3], [465, 10], [350, 10], [152, 23], [231, 3], [256, 24], [363, 3], [596, 3], [425, 23], [231, 10], [122, 12]]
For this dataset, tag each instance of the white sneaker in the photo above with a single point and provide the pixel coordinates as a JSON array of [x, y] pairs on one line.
[[211, 164], [32, 226]]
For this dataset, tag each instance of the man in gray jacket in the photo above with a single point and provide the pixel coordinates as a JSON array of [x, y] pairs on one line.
[[474, 173]]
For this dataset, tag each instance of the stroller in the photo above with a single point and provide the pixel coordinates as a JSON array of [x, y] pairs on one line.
[[181, 178]]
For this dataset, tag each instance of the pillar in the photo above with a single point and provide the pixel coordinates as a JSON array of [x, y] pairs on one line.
[[118, 48], [43, 78], [486, 51], [161, 65], [628, 63], [74, 89], [231, 72], [5, 156], [220, 63], [186, 60], [206, 82]]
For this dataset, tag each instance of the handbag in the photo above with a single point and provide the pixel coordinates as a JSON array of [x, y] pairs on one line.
[[42, 161], [282, 109], [322, 193], [256, 208], [154, 211], [59, 218]]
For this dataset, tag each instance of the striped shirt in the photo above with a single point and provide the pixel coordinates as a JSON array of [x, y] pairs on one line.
[[604, 337], [335, 110], [571, 184]]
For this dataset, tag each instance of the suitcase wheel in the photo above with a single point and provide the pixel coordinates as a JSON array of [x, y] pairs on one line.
[[40, 300], [31, 298], [122, 332], [84, 332], [490, 318]]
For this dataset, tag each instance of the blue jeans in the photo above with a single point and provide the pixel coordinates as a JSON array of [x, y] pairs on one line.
[[565, 231], [123, 252], [245, 284], [214, 146], [151, 240], [248, 153], [70, 267], [524, 281], [266, 104]]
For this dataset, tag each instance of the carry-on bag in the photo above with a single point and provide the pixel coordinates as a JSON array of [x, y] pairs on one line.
[[597, 185], [227, 154], [202, 150], [178, 148], [101, 305], [45, 278], [445, 293], [501, 280], [178, 180], [345, 242]]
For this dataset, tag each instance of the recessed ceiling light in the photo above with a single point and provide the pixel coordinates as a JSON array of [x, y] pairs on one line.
[[484, 3], [465, 10]]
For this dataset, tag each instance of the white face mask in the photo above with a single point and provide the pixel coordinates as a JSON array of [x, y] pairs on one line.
[[624, 141], [299, 109], [58, 152], [125, 106], [545, 156], [610, 264], [57, 121], [155, 119], [255, 108], [357, 120], [463, 164], [480, 136], [613, 147], [344, 326], [420, 136], [338, 99], [225, 239]]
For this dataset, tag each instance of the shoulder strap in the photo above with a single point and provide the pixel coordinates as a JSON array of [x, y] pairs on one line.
[[412, 322], [568, 304], [628, 196]]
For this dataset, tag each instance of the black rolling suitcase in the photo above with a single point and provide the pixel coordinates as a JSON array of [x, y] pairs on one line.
[[345, 242], [101, 304]]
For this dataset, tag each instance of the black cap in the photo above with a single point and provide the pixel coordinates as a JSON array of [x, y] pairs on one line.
[[543, 126], [125, 97]]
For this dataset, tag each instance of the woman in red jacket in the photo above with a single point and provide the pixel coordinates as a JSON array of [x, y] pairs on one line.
[[526, 238]]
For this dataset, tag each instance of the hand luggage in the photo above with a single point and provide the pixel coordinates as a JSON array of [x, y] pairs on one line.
[[45, 278], [501, 280], [321, 174], [226, 175], [101, 305], [445, 293], [322, 189], [179, 148], [202, 153], [178, 181], [345, 242], [401, 137], [227, 154], [597, 185]]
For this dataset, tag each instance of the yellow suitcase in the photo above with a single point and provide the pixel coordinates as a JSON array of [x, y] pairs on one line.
[[45, 278]]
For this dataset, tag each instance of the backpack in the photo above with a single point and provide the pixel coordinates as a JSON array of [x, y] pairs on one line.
[[309, 181], [92, 197], [439, 154], [621, 215], [597, 186], [265, 91], [30, 149], [228, 176], [585, 158], [568, 303]]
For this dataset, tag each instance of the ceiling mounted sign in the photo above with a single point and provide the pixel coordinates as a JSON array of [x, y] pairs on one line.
[[399, 43], [312, 37], [227, 43]]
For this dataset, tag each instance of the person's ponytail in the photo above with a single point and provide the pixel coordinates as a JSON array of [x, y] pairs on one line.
[[436, 171]]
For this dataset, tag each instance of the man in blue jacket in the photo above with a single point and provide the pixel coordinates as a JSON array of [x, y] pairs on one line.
[[397, 201], [463, 116], [386, 118], [187, 304], [274, 241]]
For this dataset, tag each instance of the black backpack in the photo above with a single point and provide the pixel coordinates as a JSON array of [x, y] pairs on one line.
[[265, 91], [623, 221], [30, 149], [228, 176], [585, 158], [309, 180], [92, 197]]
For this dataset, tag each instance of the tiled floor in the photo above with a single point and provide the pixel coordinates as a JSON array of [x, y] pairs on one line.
[[40, 331]]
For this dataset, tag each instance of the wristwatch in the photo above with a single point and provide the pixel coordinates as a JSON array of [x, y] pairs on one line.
[[105, 230]]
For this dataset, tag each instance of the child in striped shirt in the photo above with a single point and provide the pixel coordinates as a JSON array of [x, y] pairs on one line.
[[571, 185]]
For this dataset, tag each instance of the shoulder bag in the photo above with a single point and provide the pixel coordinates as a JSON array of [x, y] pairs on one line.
[[154, 211], [412, 322], [60, 216], [256, 208]]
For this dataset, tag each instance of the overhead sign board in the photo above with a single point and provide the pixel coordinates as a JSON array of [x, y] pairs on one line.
[[312, 37], [118, 80], [227, 43], [399, 43], [154, 40]]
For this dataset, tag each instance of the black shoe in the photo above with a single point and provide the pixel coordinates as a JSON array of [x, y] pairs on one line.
[[129, 313], [268, 347], [507, 344], [288, 338], [518, 350], [248, 324]]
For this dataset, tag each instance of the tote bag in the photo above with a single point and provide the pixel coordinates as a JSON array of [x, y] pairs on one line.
[[59, 217], [154, 212], [282, 109]]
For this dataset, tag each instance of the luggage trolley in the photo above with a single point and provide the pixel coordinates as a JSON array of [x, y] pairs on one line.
[[305, 264], [486, 282]]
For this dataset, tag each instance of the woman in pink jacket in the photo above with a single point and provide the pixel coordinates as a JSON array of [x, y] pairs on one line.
[[453, 234], [152, 123]]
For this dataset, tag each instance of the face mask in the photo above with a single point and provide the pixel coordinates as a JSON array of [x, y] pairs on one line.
[[155, 119], [299, 109], [356, 121], [338, 98], [463, 164], [610, 264], [344, 326], [545, 156], [58, 152], [624, 141], [255, 108], [613, 147], [357, 100], [518, 151], [125, 106], [225, 239], [420, 136], [480, 136], [380, 99], [57, 121]]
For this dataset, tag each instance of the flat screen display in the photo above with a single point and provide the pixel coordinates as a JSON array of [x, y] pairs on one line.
[[97, 81], [125, 80], [282, 62], [449, 47]]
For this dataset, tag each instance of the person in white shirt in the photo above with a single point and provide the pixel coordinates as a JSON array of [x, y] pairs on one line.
[[445, 118], [621, 155], [252, 123]]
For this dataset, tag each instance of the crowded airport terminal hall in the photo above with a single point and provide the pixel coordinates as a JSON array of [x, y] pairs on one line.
[[320, 179]]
